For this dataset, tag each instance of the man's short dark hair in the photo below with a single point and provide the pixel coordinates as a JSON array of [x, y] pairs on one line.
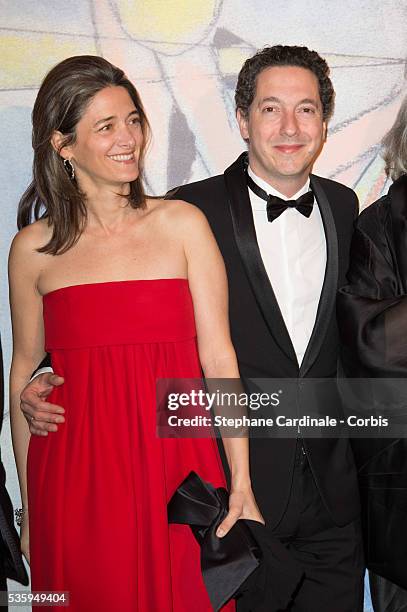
[[283, 55]]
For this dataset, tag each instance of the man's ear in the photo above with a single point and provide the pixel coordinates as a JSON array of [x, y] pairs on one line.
[[243, 122], [325, 130], [57, 141]]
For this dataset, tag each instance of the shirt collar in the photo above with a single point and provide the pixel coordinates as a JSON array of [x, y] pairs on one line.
[[271, 191]]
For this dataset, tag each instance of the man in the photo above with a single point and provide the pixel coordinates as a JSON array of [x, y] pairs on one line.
[[284, 266], [11, 563]]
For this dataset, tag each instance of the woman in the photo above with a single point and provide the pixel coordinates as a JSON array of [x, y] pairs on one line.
[[373, 321], [114, 285]]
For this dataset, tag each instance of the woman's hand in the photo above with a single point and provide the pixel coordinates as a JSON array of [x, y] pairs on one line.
[[242, 505], [25, 536]]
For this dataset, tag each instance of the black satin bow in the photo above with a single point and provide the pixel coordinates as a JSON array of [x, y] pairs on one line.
[[257, 570], [276, 205]]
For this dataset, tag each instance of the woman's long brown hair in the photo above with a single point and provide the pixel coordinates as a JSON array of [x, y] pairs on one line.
[[61, 101]]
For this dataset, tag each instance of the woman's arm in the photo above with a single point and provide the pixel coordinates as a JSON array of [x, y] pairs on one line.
[[28, 340], [208, 285]]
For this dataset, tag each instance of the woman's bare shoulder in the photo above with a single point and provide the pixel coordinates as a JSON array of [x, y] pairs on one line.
[[31, 238], [179, 212]]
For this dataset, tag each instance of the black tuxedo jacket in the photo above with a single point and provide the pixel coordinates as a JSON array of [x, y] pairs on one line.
[[11, 564], [261, 340]]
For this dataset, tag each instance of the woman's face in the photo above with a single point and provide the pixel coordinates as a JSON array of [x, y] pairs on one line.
[[108, 141]]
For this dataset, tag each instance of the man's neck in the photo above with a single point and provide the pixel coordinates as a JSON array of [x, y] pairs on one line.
[[279, 189], [287, 186]]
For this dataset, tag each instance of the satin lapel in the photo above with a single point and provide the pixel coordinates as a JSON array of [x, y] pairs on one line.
[[327, 300], [398, 196], [246, 240]]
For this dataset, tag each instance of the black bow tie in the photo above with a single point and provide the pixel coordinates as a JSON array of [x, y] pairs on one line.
[[276, 205]]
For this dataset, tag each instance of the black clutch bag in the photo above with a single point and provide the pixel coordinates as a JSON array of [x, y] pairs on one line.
[[248, 563]]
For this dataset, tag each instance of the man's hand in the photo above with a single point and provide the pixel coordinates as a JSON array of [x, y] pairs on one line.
[[42, 417]]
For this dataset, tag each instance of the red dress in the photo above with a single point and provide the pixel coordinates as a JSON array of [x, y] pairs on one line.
[[98, 488]]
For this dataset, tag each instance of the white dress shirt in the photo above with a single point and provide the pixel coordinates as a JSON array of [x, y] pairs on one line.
[[293, 249]]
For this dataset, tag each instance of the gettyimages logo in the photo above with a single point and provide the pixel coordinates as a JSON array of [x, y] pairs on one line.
[[219, 399]]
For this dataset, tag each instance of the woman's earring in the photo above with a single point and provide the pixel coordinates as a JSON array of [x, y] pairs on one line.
[[69, 168]]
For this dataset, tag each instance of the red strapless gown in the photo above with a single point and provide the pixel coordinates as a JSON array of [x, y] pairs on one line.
[[98, 488]]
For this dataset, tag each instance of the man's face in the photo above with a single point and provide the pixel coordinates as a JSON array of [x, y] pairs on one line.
[[284, 127]]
